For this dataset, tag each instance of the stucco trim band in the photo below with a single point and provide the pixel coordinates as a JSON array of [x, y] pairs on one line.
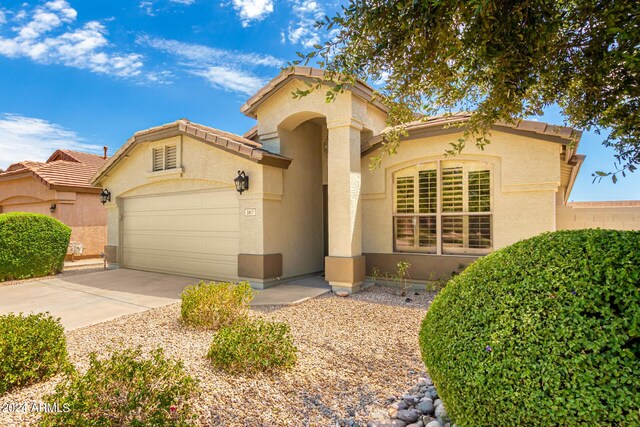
[[345, 269], [255, 266]]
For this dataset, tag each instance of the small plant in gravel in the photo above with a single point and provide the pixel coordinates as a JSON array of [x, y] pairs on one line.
[[124, 390], [32, 348], [253, 345], [402, 274], [543, 332], [215, 305]]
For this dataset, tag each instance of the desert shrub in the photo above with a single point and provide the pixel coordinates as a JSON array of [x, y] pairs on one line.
[[31, 245], [216, 304], [253, 345], [543, 332], [126, 389], [32, 348]]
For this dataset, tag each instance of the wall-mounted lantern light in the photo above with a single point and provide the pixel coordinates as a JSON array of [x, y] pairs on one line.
[[105, 196], [52, 208], [242, 182]]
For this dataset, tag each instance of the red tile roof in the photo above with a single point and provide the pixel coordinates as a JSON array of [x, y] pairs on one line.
[[232, 143], [65, 168]]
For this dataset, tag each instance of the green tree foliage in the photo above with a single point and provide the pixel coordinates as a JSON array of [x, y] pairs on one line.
[[503, 60]]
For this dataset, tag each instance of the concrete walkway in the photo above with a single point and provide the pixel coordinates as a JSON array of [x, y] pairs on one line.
[[87, 299]]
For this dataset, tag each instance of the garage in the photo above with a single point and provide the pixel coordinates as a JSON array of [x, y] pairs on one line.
[[189, 233]]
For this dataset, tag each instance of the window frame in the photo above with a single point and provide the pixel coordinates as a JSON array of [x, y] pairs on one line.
[[439, 249]]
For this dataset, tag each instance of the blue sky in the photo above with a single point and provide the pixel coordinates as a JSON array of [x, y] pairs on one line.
[[81, 74]]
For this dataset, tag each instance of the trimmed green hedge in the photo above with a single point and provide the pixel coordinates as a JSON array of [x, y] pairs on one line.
[[32, 348], [543, 332], [31, 245]]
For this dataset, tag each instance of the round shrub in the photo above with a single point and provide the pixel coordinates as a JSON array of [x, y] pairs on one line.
[[253, 345], [31, 245], [126, 389], [543, 332], [216, 304], [32, 348]]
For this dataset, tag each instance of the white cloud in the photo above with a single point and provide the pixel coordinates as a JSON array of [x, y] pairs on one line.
[[252, 10], [206, 55], [229, 79], [223, 69], [28, 138], [3, 18], [147, 8], [184, 2], [302, 31], [83, 47]]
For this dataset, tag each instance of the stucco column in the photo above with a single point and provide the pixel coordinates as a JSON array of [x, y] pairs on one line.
[[344, 267]]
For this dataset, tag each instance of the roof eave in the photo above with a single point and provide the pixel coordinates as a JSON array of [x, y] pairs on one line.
[[576, 160], [256, 155], [308, 74]]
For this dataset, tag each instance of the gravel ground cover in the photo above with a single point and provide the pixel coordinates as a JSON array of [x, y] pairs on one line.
[[354, 353], [67, 273]]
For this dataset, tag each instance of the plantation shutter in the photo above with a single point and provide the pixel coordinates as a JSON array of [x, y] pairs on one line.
[[171, 160], [452, 190], [428, 191], [158, 159], [405, 202], [479, 191]]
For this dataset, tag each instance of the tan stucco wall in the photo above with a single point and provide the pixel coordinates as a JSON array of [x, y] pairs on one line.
[[282, 111], [83, 212], [610, 215], [525, 177], [202, 167], [293, 225]]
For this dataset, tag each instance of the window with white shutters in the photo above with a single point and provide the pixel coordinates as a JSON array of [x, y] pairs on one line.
[[443, 207]]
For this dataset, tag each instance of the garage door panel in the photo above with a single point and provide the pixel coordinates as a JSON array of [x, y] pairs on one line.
[[205, 222], [176, 242], [194, 234]]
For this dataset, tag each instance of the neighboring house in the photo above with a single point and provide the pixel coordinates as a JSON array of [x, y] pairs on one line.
[[61, 188], [313, 204]]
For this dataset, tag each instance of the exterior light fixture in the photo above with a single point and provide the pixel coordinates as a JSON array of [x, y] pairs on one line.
[[105, 196], [242, 182], [52, 208]]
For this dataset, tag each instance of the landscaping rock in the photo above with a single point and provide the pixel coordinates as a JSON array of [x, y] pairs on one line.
[[437, 402], [408, 415], [435, 423], [342, 294], [441, 413], [418, 423], [387, 423], [401, 404], [426, 407]]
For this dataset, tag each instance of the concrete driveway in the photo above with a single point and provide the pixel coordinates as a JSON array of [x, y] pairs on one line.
[[86, 299], [91, 298]]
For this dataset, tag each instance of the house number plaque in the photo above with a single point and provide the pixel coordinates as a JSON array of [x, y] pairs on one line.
[[250, 212]]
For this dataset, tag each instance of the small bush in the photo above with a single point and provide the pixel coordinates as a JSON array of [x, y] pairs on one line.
[[32, 348], [124, 390], [215, 305], [543, 332], [253, 345], [31, 245]]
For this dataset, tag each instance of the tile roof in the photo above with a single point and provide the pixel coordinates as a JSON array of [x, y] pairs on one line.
[[232, 143], [564, 133], [360, 88], [65, 168]]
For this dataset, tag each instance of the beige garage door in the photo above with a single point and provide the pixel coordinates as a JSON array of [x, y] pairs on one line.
[[192, 234]]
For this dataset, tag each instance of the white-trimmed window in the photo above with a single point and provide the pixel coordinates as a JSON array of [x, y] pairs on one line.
[[443, 207], [165, 157]]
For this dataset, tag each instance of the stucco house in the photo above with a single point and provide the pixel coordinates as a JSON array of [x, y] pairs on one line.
[[313, 205], [60, 187]]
